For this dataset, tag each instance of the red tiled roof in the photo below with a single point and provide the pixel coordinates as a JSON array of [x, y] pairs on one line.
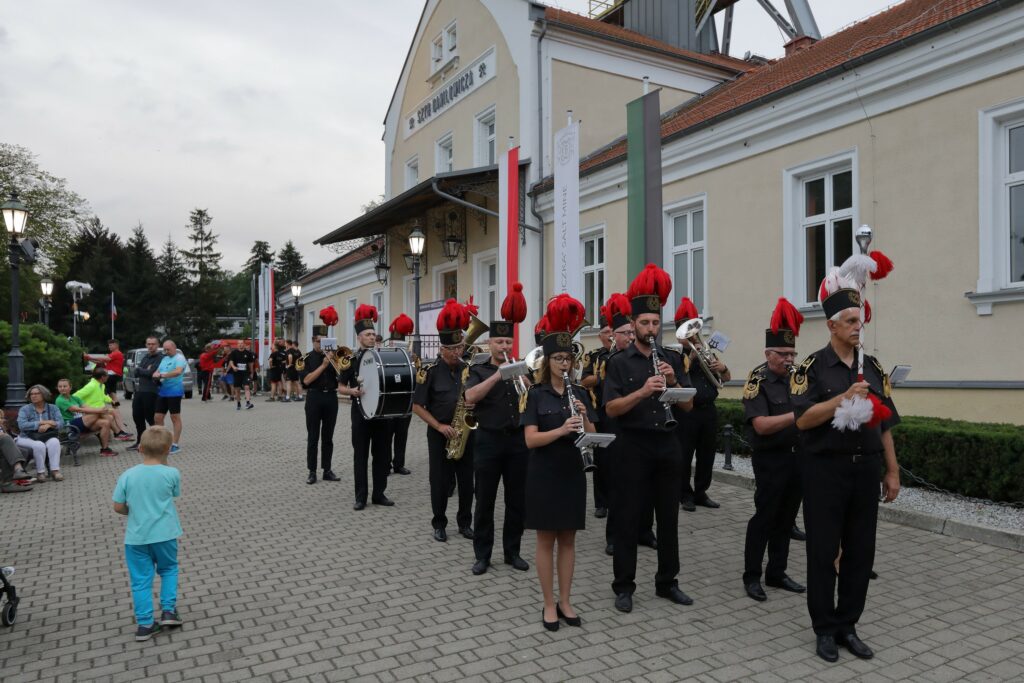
[[872, 34], [600, 29]]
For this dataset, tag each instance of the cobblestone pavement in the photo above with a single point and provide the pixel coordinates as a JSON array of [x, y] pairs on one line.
[[284, 581]]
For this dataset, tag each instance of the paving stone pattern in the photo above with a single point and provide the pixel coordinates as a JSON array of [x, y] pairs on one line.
[[284, 581]]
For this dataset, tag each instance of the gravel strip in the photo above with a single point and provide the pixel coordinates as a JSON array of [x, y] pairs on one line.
[[970, 510]]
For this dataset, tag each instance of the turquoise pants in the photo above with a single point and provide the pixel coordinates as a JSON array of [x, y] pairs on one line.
[[144, 561]]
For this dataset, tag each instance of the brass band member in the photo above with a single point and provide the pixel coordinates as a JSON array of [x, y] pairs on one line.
[[697, 431], [633, 384], [556, 486], [320, 378], [840, 470], [368, 436], [438, 387], [776, 443], [591, 382], [500, 452], [401, 327]]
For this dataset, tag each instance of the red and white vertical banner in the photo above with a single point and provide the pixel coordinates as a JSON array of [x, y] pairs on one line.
[[272, 299], [508, 226]]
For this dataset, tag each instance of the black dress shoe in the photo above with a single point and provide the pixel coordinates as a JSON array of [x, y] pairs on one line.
[[687, 504], [855, 645], [480, 566], [359, 505], [786, 584], [440, 535], [402, 470], [466, 532], [311, 479], [382, 500], [549, 625], [755, 591], [675, 595], [649, 540], [609, 549], [329, 475], [827, 649], [624, 602], [517, 563], [571, 621], [706, 502], [600, 513], [797, 535]]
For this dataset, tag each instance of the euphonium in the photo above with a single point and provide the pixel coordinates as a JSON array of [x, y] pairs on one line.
[[690, 332], [463, 422]]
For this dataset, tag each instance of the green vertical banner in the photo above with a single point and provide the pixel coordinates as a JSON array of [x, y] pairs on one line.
[[643, 163]]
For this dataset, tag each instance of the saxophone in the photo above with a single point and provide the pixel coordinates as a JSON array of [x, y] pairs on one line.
[[463, 422]]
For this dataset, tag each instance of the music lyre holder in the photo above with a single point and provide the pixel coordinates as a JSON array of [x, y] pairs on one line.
[[513, 370], [677, 395], [587, 442]]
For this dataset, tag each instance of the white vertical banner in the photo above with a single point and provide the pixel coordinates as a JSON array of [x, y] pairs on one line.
[[567, 212], [261, 303]]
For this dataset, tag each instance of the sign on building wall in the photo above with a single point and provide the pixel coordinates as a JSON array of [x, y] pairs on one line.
[[567, 211], [451, 92]]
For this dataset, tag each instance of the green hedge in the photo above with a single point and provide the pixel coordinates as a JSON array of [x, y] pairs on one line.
[[975, 459], [48, 357]]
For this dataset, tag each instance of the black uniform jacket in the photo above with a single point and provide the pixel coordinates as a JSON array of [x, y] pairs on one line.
[[547, 409], [766, 395], [328, 379], [627, 371], [438, 387], [821, 377], [499, 409]]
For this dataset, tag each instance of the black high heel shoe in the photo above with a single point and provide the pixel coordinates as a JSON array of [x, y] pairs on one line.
[[549, 625], [574, 621]]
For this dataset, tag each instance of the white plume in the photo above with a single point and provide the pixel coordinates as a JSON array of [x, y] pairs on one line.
[[836, 280], [858, 267], [852, 413]]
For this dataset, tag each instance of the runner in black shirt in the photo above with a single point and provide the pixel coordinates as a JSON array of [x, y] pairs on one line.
[[293, 388], [277, 362], [241, 362]]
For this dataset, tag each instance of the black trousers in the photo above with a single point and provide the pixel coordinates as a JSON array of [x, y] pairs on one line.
[[321, 416], [499, 456], [615, 495], [369, 436], [398, 439], [840, 510], [602, 478], [204, 377], [698, 437], [441, 472], [143, 412], [776, 501], [649, 468]]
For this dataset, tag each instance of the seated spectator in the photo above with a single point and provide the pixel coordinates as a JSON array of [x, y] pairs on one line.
[[13, 477], [94, 395], [39, 422], [84, 418]]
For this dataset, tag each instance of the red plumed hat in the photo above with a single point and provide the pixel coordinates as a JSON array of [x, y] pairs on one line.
[[453, 316], [366, 316], [565, 314], [471, 307], [513, 308], [784, 326], [687, 311], [649, 290], [604, 317], [540, 330], [401, 326], [884, 265], [329, 316], [619, 310]]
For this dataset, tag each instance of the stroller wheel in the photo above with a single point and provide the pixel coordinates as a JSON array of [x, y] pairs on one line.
[[9, 614]]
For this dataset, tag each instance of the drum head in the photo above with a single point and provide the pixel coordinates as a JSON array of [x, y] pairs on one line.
[[370, 380]]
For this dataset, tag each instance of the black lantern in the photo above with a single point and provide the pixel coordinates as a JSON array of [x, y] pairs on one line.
[[451, 242], [381, 268]]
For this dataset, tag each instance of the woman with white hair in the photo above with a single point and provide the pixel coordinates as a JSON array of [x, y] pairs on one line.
[[39, 422]]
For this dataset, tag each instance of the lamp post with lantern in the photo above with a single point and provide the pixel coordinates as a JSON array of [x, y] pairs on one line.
[[46, 285], [417, 240], [296, 293], [15, 217]]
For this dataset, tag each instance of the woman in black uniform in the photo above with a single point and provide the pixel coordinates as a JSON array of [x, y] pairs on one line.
[[556, 488]]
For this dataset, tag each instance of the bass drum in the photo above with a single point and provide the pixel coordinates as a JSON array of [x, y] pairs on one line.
[[388, 380]]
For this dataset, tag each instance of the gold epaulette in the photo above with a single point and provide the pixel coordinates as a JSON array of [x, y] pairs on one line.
[[886, 385], [798, 381], [753, 386], [421, 374]]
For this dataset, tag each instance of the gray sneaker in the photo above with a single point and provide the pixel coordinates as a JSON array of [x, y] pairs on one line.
[[143, 633], [170, 618]]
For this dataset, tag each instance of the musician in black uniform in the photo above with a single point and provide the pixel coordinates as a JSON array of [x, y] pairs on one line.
[[697, 430], [841, 474], [771, 430], [368, 436], [401, 327], [320, 378], [500, 452], [438, 387], [556, 485], [631, 391], [590, 381]]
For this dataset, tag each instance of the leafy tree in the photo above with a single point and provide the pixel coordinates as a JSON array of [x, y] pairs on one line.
[[258, 255], [290, 265], [49, 356]]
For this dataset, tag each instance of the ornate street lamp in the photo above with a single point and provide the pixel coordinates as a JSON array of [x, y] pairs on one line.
[[15, 217], [417, 240], [451, 244], [381, 268], [46, 285], [296, 293]]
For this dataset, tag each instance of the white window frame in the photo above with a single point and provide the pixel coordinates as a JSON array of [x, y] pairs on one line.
[[794, 257], [483, 139], [409, 298], [412, 172], [994, 181], [437, 59], [444, 154], [481, 261], [688, 205], [350, 309], [595, 232], [435, 278], [379, 300], [451, 37]]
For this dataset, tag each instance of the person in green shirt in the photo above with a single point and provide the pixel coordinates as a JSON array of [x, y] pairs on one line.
[[86, 418], [94, 395]]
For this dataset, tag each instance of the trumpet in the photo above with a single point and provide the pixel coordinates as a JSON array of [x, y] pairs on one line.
[[586, 452], [689, 332], [522, 388], [670, 420]]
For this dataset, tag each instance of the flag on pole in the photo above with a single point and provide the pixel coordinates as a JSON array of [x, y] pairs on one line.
[[508, 224], [113, 307], [643, 165]]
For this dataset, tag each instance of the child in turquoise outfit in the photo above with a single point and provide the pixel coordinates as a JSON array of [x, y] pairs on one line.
[[146, 493]]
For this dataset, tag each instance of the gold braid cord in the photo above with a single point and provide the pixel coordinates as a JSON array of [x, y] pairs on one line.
[[753, 386], [798, 382]]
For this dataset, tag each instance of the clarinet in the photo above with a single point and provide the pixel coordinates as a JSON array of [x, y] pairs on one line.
[[670, 420], [586, 452]]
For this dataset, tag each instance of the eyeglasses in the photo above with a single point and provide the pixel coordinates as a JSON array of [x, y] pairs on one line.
[[454, 348], [627, 333], [784, 354], [561, 359]]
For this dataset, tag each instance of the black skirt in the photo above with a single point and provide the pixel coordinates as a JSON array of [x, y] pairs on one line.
[[556, 488]]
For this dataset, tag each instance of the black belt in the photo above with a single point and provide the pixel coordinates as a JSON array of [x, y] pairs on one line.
[[765, 450], [854, 456], [321, 390]]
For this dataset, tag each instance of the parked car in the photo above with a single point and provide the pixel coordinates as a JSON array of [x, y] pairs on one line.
[[135, 355]]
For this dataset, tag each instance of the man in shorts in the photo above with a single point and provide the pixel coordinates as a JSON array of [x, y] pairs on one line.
[[113, 362], [84, 418], [276, 372], [241, 363], [171, 375], [94, 395], [293, 388]]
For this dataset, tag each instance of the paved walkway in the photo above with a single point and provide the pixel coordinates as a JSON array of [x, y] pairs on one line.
[[284, 581]]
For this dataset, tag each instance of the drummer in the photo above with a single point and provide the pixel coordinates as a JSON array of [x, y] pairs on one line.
[[368, 436]]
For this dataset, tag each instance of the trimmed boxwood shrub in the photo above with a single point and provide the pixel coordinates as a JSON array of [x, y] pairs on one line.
[[976, 459]]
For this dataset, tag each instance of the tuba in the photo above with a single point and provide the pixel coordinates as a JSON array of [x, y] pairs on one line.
[[690, 332], [463, 422]]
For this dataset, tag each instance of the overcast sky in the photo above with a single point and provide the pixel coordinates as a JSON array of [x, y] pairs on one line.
[[268, 114]]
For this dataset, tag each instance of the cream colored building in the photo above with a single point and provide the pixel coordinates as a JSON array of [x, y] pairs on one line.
[[911, 121]]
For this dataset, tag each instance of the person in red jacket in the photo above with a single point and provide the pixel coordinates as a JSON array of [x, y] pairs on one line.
[[207, 363]]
